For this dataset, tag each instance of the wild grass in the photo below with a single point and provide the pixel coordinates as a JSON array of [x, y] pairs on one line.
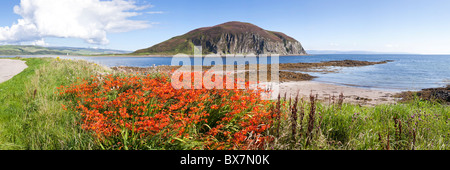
[[414, 125], [31, 116]]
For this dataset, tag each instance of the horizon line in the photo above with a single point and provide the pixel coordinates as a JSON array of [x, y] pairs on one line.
[[315, 52]]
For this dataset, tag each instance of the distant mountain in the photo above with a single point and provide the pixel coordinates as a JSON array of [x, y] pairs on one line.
[[38, 50], [349, 52], [228, 38]]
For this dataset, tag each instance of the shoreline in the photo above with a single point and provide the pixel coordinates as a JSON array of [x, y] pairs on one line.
[[326, 92], [134, 56], [203, 55], [291, 83]]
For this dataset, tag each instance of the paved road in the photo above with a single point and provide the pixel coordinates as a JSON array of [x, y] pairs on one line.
[[9, 68]]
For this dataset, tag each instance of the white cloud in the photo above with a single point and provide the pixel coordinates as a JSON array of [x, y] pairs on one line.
[[155, 12], [89, 20], [144, 7], [392, 45], [40, 42], [334, 44]]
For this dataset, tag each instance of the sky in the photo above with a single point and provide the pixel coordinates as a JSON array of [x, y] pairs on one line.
[[400, 26]]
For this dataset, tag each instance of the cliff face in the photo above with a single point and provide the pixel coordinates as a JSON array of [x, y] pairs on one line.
[[230, 38]]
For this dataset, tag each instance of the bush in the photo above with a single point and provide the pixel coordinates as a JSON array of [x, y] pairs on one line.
[[146, 112]]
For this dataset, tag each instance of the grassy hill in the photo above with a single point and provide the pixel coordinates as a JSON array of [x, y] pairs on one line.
[[38, 50], [228, 38]]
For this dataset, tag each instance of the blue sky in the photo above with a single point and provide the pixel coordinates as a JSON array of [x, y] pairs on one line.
[[411, 26]]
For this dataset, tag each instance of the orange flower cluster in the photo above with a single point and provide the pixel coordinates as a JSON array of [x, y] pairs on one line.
[[149, 107]]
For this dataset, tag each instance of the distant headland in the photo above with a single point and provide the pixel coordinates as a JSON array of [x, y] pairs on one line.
[[228, 38]]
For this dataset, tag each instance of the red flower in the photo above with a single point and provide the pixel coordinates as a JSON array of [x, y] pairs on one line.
[[149, 106]]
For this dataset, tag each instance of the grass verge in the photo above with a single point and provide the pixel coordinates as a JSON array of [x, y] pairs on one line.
[[31, 116]]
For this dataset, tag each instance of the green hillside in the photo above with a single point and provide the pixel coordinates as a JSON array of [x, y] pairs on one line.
[[228, 38], [38, 50]]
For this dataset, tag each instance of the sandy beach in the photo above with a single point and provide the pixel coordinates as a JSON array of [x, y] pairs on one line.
[[326, 92], [9, 68]]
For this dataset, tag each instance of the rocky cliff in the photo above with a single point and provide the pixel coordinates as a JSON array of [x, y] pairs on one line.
[[229, 38]]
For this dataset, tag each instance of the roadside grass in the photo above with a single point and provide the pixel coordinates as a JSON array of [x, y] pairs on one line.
[[31, 114]]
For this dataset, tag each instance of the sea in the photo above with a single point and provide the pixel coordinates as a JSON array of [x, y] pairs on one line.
[[407, 72]]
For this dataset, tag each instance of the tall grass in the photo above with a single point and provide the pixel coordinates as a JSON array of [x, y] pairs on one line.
[[31, 114], [415, 125]]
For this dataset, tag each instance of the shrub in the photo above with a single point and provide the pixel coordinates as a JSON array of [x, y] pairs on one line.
[[146, 112]]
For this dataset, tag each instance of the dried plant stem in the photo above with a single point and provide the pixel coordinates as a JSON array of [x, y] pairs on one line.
[[311, 119], [34, 93], [387, 144], [414, 139], [278, 116], [398, 130], [341, 100], [302, 114], [380, 139], [294, 117]]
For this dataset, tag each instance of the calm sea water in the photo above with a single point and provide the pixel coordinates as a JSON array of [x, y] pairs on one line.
[[407, 72]]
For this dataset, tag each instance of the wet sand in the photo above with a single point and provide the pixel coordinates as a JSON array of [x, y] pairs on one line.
[[326, 93]]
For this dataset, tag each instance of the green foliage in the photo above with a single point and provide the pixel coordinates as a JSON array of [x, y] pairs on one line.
[[418, 124], [38, 50]]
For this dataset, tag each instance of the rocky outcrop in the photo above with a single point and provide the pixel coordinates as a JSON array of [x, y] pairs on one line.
[[230, 38], [247, 43], [441, 95]]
